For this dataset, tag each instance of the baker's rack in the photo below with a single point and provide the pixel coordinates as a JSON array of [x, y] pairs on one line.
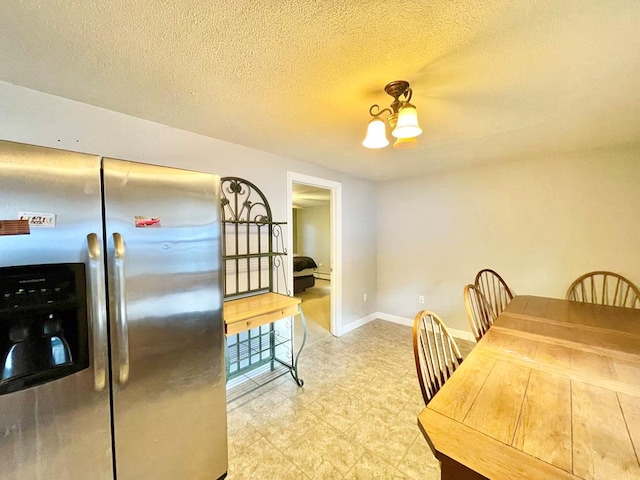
[[253, 265]]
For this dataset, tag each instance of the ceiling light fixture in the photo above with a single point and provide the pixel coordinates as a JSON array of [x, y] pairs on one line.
[[402, 119]]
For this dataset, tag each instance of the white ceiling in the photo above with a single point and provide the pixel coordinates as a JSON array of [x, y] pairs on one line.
[[493, 80]]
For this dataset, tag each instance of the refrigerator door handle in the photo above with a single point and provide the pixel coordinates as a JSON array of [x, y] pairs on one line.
[[98, 312], [121, 309]]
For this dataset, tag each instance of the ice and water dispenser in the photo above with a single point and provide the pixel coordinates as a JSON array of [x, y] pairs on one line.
[[43, 324]]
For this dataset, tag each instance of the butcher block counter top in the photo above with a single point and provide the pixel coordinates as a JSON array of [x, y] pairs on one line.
[[251, 312]]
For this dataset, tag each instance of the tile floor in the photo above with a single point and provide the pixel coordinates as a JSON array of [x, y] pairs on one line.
[[354, 418]]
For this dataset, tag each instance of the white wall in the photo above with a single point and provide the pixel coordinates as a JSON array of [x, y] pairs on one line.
[[314, 235], [36, 118], [539, 222]]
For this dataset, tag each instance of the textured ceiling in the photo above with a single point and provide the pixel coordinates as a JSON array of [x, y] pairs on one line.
[[493, 80]]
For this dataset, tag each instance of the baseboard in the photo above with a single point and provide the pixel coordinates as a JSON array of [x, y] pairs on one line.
[[461, 334], [322, 276], [357, 324], [395, 319]]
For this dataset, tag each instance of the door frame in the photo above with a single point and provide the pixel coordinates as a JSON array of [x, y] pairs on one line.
[[336, 239]]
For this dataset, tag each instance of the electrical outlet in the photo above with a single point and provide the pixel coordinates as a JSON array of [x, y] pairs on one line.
[[364, 297], [421, 299]]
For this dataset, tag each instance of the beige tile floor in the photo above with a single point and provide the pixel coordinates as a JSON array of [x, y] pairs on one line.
[[354, 418]]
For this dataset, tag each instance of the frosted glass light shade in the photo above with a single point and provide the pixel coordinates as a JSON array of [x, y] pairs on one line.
[[376, 134], [405, 143], [407, 126]]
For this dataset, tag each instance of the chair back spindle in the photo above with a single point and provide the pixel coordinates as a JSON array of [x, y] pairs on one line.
[[495, 290], [604, 288], [479, 314], [436, 353]]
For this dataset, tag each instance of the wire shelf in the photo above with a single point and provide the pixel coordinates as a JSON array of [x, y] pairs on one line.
[[257, 347], [254, 262]]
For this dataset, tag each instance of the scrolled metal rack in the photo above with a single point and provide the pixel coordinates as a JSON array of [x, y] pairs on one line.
[[254, 262]]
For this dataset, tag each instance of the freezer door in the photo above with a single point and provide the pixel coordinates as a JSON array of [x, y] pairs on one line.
[[163, 248], [60, 429]]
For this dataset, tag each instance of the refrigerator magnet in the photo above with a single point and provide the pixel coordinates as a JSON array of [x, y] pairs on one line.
[[147, 222], [39, 220]]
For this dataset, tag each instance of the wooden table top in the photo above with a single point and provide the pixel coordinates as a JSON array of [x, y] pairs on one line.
[[256, 310], [551, 391]]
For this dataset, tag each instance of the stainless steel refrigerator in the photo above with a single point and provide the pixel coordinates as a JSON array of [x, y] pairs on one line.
[[111, 335]]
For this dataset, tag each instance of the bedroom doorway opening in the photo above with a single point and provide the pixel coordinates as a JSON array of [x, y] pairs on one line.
[[314, 240]]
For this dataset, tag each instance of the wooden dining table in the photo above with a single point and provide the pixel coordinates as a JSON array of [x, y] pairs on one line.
[[552, 391]]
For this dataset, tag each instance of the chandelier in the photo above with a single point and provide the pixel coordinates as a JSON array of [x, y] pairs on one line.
[[402, 119]]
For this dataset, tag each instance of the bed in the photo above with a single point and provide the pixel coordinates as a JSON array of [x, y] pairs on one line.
[[303, 270]]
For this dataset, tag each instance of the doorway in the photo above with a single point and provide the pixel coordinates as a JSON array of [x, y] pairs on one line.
[[314, 231]]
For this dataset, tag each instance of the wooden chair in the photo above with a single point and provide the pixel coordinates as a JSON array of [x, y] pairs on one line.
[[436, 353], [479, 314], [605, 288], [495, 290]]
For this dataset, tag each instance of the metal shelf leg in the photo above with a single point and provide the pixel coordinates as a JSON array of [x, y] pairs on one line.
[[294, 368]]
